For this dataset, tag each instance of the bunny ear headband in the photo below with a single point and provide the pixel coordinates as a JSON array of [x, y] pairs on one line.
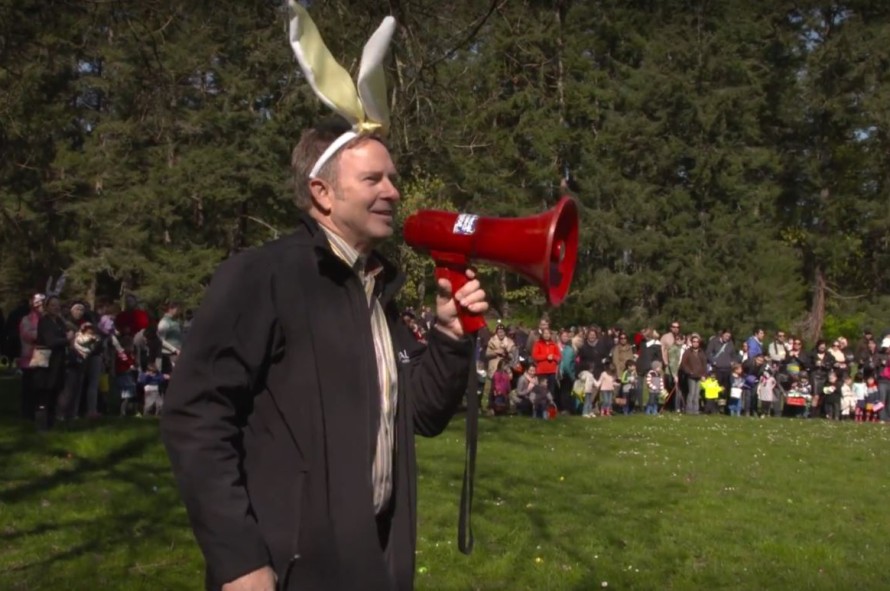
[[363, 104]]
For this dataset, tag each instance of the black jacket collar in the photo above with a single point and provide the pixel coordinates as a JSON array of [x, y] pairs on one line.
[[390, 280]]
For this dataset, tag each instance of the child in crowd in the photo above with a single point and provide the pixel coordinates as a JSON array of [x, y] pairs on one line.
[[606, 386], [655, 381], [871, 400], [711, 388], [735, 391], [541, 398], [629, 381], [86, 341], [832, 396], [749, 394], [124, 365], [152, 381], [588, 384], [860, 392], [766, 392], [525, 385], [848, 398], [499, 397]]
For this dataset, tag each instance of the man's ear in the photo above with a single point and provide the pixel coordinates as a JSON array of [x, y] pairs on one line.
[[322, 194]]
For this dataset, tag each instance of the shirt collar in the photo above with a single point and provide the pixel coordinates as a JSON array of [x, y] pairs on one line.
[[361, 264]]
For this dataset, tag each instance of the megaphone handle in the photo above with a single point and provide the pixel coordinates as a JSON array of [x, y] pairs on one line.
[[457, 275]]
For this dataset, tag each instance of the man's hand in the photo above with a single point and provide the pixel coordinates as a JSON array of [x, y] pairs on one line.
[[262, 579], [470, 297]]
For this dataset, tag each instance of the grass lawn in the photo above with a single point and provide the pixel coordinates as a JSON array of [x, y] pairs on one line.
[[637, 503]]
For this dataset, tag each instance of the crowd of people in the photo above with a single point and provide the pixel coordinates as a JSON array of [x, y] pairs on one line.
[[594, 372], [72, 357]]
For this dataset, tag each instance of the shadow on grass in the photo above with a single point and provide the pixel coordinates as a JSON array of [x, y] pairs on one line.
[[94, 496]]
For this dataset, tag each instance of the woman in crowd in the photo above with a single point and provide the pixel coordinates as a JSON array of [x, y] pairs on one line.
[[546, 355], [821, 364], [49, 360]]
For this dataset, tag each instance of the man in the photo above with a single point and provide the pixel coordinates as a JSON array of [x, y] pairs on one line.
[[132, 319], [535, 335], [755, 344], [778, 349], [668, 340], [293, 447]]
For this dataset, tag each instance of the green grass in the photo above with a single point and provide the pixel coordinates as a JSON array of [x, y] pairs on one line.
[[640, 503]]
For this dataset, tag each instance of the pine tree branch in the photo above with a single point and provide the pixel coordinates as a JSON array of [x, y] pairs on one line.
[[495, 5]]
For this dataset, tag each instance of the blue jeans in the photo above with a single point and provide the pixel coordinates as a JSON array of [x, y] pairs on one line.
[[735, 407], [588, 404], [692, 398], [884, 396], [652, 405], [605, 400]]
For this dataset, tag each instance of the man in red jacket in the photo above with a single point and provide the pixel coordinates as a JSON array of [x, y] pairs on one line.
[[132, 319]]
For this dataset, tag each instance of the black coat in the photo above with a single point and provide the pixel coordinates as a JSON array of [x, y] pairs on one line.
[[270, 420], [52, 334]]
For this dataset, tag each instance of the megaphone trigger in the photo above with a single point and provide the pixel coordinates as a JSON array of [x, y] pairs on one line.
[[455, 271]]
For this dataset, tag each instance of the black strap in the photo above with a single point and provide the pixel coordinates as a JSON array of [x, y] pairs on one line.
[[464, 528]]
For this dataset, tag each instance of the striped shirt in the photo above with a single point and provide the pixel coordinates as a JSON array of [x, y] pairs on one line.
[[387, 377]]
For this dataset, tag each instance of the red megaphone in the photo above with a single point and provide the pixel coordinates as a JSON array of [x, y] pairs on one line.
[[542, 248]]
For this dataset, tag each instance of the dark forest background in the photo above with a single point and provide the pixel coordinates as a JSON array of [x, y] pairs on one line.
[[731, 159]]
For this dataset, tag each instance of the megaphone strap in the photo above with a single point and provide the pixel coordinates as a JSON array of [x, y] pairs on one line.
[[465, 538]]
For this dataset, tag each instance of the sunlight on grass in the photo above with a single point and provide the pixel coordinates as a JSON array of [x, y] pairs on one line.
[[639, 503]]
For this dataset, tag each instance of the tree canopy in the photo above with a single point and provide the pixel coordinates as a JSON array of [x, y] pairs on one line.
[[730, 159]]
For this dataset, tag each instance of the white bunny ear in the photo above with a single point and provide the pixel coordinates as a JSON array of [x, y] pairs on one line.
[[330, 81], [371, 79]]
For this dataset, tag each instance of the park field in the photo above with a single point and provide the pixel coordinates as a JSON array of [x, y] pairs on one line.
[[668, 502]]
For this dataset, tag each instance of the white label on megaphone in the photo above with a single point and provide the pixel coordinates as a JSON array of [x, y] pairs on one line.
[[465, 224]]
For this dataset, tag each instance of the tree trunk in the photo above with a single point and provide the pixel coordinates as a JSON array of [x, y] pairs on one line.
[[91, 291], [812, 325], [502, 296]]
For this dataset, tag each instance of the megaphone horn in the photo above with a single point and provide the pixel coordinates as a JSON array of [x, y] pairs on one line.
[[541, 248]]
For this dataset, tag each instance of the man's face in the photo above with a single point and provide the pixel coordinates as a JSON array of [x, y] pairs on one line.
[[542, 325], [564, 338], [77, 312], [501, 333], [759, 335], [727, 336], [780, 336], [362, 205], [675, 327], [53, 306]]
